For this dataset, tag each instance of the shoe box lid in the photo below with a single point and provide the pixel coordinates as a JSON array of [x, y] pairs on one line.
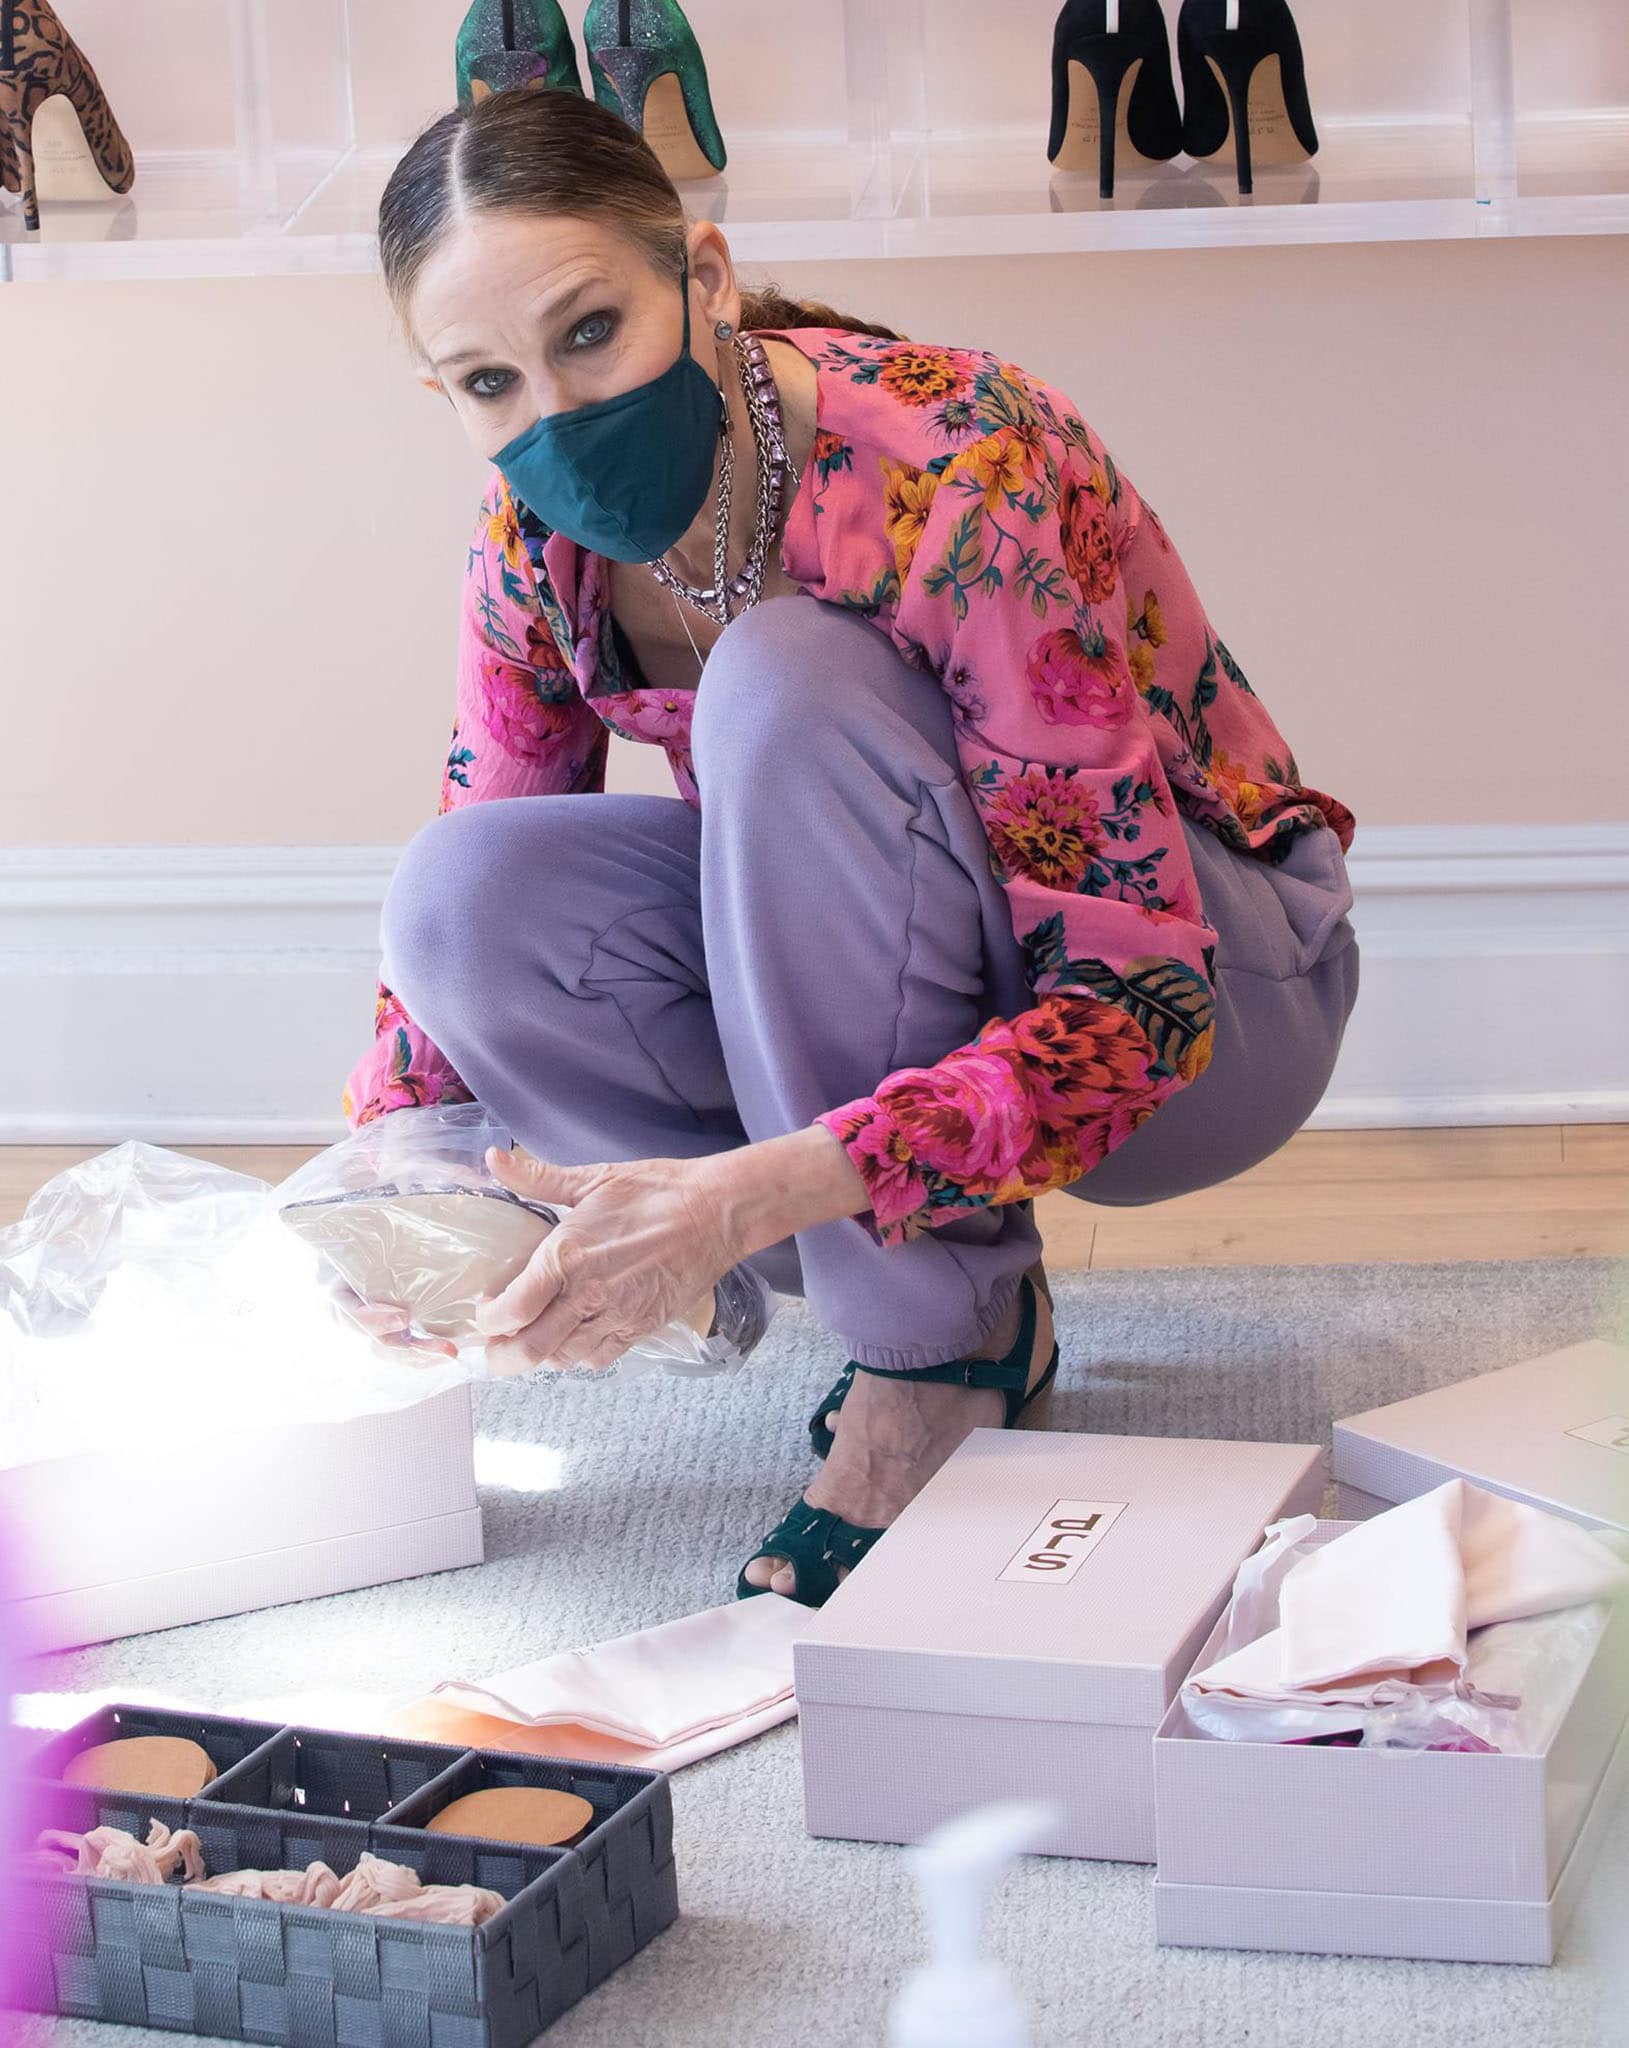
[[1552, 1431], [1052, 1576]]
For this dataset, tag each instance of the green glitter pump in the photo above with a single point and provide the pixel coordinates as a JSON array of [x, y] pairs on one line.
[[647, 66], [508, 43]]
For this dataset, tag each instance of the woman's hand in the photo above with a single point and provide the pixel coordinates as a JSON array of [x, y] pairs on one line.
[[389, 1326], [645, 1239]]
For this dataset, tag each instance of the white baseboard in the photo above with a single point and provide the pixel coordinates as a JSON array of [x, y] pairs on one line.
[[220, 995]]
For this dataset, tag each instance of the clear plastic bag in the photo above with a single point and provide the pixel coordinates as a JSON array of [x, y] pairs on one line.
[[409, 1215], [136, 1205], [150, 1300]]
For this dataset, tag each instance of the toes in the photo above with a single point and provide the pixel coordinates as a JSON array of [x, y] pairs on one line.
[[781, 1577]]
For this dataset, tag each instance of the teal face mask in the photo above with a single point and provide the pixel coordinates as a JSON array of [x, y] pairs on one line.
[[626, 476]]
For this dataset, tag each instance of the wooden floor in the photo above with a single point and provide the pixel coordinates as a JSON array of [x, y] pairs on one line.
[[1328, 1198]]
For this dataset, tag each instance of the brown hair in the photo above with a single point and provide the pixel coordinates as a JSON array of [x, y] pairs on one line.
[[542, 151]]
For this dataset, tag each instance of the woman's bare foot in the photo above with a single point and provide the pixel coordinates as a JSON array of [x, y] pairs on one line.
[[896, 1433]]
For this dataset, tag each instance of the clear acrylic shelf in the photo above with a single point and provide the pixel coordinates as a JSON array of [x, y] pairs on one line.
[[264, 131]]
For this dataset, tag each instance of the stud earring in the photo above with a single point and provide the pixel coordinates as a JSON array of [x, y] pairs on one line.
[[723, 329]]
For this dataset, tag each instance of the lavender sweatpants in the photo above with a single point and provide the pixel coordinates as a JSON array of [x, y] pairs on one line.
[[618, 977]]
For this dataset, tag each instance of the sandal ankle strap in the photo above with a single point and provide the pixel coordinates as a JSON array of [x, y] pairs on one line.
[[1006, 1374]]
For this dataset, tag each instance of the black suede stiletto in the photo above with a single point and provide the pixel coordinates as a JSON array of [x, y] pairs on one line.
[[1124, 51], [1243, 75]]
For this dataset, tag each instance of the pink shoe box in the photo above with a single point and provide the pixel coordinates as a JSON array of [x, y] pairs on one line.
[[252, 1516], [1552, 1431], [1024, 1625], [1444, 1854]]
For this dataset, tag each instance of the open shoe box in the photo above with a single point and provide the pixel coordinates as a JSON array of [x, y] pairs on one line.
[[251, 1969], [1351, 1851], [273, 1513]]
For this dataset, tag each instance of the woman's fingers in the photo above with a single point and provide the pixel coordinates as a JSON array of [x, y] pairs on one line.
[[588, 1344], [406, 1340], [595, 1344], [520, 1353], [392, 1328], [528, 1175], [534, 1287], [379, 1318], [561, 1337], [387, 1323]]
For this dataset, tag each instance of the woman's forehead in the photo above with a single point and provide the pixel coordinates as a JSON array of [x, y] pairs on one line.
[[496, 264]]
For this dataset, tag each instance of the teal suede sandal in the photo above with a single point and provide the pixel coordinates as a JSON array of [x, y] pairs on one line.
[[815, 1542], [958, 1372]]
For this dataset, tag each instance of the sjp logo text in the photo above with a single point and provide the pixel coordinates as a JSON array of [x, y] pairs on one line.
[[1060, 1544]]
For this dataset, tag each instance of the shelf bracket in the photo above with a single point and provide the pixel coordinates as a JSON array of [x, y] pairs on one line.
[[1493, 111]]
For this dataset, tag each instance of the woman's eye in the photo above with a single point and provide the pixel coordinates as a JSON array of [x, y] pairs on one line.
[[601, 325], [474, 385]]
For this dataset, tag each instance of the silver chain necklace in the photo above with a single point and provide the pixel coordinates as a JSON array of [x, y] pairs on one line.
[[701, 659], [718, 600]]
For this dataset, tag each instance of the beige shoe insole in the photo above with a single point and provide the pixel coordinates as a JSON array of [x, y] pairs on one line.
[[516, 1813], [438, 1253], [1272, 139], [165, 1766], [63, 165], [1078, 150], [668, 131]]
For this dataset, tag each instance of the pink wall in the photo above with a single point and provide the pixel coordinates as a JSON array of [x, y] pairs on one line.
[[232, 525]]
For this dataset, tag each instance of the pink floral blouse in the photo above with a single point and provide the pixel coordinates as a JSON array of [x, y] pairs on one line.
[[965, 509]]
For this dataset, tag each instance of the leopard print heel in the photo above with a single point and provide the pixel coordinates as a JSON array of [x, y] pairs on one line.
[[41, 63]]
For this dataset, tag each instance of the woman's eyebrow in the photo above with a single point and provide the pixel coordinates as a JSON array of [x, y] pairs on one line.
[[559, 305]]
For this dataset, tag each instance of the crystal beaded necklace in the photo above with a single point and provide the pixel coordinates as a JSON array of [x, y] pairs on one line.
[[719, 599]]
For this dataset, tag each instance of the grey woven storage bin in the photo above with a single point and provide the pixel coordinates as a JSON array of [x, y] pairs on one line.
[[224, 1739], [159, 1956], [322, 1771], [627, 1854]]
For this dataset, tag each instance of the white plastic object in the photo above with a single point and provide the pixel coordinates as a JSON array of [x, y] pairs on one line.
[[408, 1213], [958, 1998], [1252, 1608]]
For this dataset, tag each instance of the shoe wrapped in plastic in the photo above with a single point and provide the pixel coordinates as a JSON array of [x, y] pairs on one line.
[[411, 1219]]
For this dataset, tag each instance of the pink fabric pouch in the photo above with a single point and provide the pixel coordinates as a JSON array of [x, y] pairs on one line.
[[1400, 1612], [661, 1697]]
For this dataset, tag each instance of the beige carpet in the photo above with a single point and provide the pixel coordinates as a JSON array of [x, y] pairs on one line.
[[661, 1487]]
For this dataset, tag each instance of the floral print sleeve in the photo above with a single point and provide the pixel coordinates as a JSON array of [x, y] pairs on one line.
[[520, 728], [1221, 749], [1004, 579]]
